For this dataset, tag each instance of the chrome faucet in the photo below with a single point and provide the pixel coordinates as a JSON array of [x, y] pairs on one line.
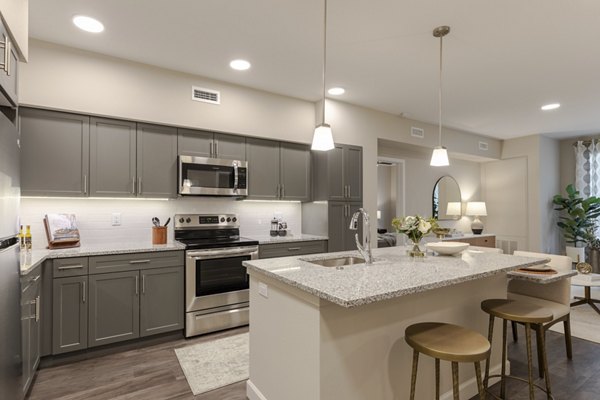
[[366, 253]]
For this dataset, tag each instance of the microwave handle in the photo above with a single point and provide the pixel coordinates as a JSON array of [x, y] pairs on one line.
[[235, 177]]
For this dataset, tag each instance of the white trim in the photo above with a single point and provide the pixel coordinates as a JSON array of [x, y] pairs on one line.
[[252, 392]]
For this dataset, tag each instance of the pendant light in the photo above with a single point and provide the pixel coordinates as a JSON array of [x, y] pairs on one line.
[[439, 158], [323, 138]]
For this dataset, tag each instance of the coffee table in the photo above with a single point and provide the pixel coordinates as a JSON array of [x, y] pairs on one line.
[[587, 287]]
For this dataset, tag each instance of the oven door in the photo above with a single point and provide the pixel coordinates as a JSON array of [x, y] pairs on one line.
[[212, 176], [216, 277]]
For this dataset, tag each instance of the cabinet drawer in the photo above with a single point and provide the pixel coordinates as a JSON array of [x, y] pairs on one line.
[[64, 267], [292, 249], [132, 262]]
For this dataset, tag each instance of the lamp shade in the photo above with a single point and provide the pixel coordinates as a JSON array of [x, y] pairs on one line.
[[378, 214], [454, 208], [439, 158], [476, 208], [322, 138]]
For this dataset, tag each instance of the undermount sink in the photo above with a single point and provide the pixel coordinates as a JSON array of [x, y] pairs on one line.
[[338, 261]]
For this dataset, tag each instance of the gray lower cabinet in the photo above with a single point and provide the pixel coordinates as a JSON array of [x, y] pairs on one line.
[[212, 145], [341, 237], [161, 301], [278, 170], [54, 153], [69, 314], [30, 326], [156, 161], [112, 158], [353, 172], [114, 307], [338, 174]]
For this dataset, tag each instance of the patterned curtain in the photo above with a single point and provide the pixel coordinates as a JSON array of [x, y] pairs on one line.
[[587, 167]]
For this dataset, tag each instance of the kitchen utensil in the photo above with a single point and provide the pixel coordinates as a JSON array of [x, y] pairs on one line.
[[274, 227], [168, 220], [155, 221]]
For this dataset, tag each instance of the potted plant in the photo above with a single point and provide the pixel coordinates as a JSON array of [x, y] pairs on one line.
[[578, 215], [415, 227]]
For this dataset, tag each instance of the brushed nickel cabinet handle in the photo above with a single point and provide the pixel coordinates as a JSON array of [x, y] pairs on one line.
[[210, 151], [8, 56], [143, 284], [216, 148], [83, 292], [85, 184], [137, 286], [139, 185], [139, 261], [35, 279], [37, 309], [133, 185], [349, 191], [68, 267], [282, 191], [4, 45], [294, 248]]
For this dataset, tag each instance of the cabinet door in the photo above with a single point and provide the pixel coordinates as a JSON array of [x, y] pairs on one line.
[[230, 147], [27, 314], [114, 307], [350, 235], [353, 172], [54, 153], [69, 314], [263, 168], [194, 143], [112, 158], [295, 172], [161, 301], [335, 172], [156, 161], [8, 79], [34, 330], [337, 225]]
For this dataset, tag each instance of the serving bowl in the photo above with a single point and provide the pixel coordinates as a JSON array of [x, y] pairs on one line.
[[447, 248]]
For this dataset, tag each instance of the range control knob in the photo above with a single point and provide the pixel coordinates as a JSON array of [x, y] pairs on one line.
[[188, 220], [181, 220], [234, 219], [228, 219], [222, 219]]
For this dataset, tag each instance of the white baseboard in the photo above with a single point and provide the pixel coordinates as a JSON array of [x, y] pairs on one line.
[[467, 389]]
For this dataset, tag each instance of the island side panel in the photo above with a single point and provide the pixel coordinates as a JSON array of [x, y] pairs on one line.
[[363, 354], [284, 342]]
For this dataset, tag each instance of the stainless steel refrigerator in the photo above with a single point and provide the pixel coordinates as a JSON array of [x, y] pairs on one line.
[[10, 291]]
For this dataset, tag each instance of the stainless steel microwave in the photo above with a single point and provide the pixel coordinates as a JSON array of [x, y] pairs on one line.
[[212, 176]]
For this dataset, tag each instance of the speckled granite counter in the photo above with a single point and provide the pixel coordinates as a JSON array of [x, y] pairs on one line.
[[287, 239], [393, 274], [31, 260]]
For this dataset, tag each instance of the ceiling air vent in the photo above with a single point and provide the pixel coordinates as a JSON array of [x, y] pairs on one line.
[[206, 95], [483, 146], [417, 132]]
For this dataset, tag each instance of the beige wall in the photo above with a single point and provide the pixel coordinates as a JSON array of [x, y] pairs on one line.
[[15, 14]]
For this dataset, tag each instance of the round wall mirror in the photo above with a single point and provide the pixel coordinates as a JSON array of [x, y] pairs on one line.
[[446, 199]]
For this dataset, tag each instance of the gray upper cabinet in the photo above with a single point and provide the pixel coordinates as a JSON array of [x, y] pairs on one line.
[[295, 172], [161, 301], [8, 74], [263, 168], [156, 161], [54, 153], [69, 314], [341, 238], [338, 174], [114, 307], [278, 170], [212, 145], [112, 158]]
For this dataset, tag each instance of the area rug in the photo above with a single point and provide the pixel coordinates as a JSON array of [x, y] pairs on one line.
[[212, 365], [585, 322]]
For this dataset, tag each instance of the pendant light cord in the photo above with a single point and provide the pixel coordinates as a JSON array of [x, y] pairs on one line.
[[440, 94], [324, 57]]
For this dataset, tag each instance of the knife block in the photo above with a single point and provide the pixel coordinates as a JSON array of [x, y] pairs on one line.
[[159, 235]]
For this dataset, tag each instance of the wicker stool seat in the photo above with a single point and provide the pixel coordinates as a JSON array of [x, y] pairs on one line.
[[449, 343]]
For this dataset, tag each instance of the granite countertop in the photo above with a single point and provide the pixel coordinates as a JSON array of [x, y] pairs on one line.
[[34, 258], [302, 237], [393, 274]]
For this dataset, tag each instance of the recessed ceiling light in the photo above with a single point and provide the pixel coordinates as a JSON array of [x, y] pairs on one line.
[[336, 91], [552, 106], [240, 65], [88, 24]]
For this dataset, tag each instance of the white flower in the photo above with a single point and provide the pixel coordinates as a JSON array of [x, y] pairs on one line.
[[424, 226], [409, 221]]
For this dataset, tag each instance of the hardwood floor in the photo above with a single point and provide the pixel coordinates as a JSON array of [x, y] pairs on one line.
[[153, 373]]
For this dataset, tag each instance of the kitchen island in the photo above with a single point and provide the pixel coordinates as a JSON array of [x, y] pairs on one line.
[[323, 333]]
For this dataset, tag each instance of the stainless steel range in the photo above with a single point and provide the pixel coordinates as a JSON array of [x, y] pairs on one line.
[[216, 287]]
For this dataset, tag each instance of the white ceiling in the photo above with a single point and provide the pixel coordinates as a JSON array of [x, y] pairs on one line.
[[503, 59]]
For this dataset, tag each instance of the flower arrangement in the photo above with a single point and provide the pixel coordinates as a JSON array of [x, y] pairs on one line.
[[415, 227]]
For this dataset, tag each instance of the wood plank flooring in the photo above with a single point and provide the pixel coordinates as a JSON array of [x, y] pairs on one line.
[[153, 373]]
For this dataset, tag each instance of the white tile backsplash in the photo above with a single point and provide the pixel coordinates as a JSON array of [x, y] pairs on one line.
[[94, 216]]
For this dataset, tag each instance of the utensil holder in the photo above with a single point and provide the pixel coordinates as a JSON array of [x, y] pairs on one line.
[[159, 235]]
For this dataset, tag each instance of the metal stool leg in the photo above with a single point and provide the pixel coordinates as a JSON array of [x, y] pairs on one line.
[[545, 365], [413, 378], [529, 360], [504, 357], [514, 331], [539, 333], [437, 379], [487, 362], [568, 341], [455, 380], [479, 383]]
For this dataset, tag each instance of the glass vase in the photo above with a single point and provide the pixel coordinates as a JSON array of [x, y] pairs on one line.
[[416, 251]]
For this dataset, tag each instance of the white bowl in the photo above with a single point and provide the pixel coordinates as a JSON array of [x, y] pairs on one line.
[[447, 248]]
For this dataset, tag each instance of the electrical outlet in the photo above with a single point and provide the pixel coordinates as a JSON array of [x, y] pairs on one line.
[[116, 219], [263, 290]]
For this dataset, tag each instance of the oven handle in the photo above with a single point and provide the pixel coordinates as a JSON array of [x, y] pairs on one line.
[[199, 255]]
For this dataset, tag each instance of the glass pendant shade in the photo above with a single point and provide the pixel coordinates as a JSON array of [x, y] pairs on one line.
[[439, 158], [322, 138]]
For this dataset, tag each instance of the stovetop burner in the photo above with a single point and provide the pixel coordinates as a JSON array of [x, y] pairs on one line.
[[201, 231]]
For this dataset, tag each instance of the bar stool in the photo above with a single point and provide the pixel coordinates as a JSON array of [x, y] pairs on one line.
[[450, 343], [527, 314]]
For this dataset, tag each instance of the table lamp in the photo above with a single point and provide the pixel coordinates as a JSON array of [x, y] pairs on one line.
[[476, 209]]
